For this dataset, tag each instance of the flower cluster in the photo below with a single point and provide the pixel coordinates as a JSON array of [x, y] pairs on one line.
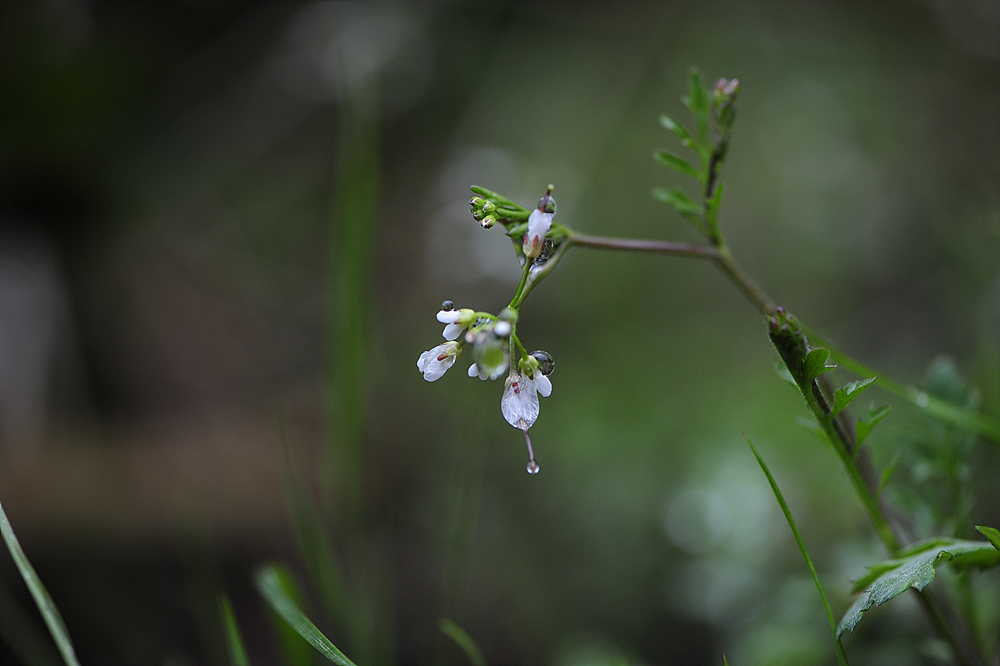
[[493, 340]]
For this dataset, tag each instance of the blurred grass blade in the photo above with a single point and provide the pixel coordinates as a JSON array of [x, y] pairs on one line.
[[234, 641], [38, 591], [272, 588], [463, 640], [841, 657]]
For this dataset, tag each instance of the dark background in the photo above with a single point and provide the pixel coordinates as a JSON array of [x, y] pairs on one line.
[[170, 259]]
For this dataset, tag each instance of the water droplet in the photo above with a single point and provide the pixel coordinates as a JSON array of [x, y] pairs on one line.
[[533, 467]]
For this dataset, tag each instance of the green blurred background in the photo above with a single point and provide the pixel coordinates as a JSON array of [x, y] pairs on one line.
[[180, 276]]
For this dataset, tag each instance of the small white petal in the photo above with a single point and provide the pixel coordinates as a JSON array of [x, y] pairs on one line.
[[452, 331], [448, 316], [543, 384], [502, 329], [473, 370]]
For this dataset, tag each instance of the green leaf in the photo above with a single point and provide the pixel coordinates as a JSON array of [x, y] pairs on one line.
[[815, 364], [712, 212], [234, 641], [44, 602], [677, 163], [915, 569], [697, 101], [691, 211], [866, 423], [279, 597], [843, 396], [991, 533], [678, 130], [463, 640], [887, 472], [785, 375]]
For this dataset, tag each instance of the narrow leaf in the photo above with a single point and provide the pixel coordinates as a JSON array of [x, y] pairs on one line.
[[234, 641], [678, 130], [916, 569], [44, 602], [463, 640], [271, 587], [868, 422], [843, 396], [888, 471], [712, 212], [677, 163], [815, 364], [991, 533], [802, 547], [691, 211], [697, 102], [785, 375]]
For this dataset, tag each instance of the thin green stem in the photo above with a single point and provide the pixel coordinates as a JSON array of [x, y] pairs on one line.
[[515, 303], [44, 602], [841, 656]]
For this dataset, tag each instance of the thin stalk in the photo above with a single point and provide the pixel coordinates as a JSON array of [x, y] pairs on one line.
[[841, 656]]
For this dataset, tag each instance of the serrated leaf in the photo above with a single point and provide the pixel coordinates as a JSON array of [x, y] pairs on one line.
[[843, 396], [677, 163], [991, 533], [815, 364], [279, 597], [916, 569], [679, 131], [868, 422]]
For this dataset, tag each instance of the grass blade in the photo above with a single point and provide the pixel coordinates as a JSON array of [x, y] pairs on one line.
[[841, 657], [48, 609], [234, 641], [271, 587], [463, 640]]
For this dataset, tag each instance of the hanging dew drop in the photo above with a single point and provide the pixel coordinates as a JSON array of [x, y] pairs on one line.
[[533, 467]]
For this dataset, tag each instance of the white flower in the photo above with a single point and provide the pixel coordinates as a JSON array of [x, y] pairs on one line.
[[539, 223], [435, 362], [456, 320], [520, 398]]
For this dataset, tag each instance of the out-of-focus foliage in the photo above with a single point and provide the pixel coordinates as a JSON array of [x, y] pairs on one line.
[[167, 185]]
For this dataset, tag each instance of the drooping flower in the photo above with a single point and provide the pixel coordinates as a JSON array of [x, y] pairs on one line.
[[519, 403], [435, 362]]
